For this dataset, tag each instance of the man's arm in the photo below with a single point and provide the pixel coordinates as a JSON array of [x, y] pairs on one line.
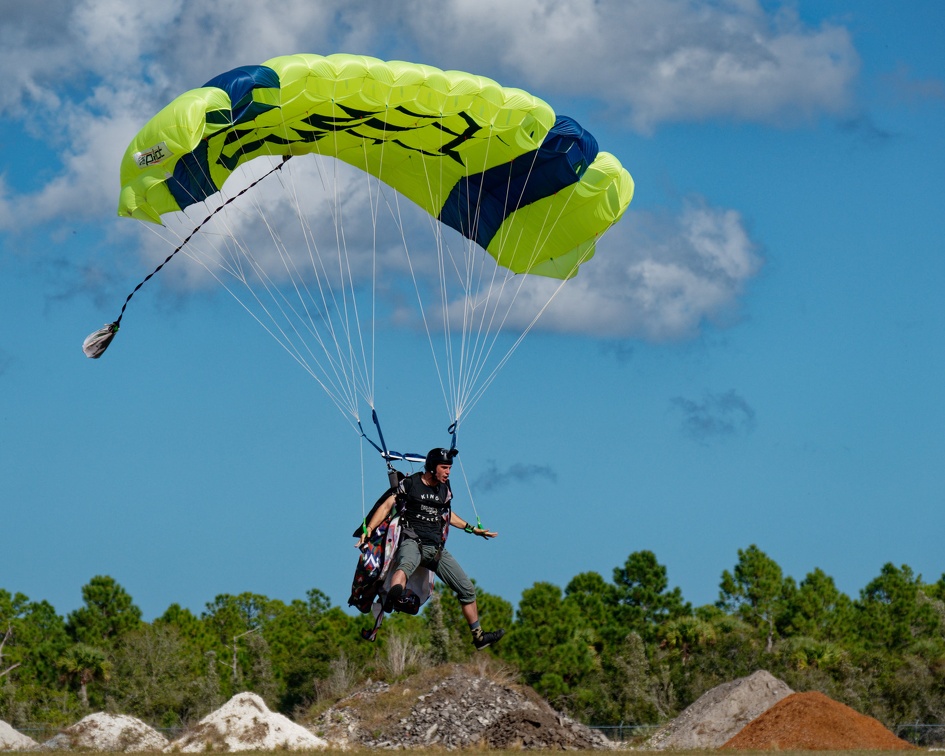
[[458, 522], [380, 514]]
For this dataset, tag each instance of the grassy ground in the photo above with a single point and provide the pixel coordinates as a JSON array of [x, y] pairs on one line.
[[367, 752]]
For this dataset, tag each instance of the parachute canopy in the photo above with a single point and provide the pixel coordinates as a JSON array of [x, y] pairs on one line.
[[320, 254], [494, 163]]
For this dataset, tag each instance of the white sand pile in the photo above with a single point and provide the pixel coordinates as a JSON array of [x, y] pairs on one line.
[[719, 714], [244, 723], [11, 740], [108, 732]]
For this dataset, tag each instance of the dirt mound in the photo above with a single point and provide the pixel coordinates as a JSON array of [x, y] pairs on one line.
[[537, 729], [107, 732], [720, 713], [466, 708], [11, 740], [815, 722], [245, 723]]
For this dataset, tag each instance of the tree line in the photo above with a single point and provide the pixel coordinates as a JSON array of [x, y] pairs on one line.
[[630, 650]]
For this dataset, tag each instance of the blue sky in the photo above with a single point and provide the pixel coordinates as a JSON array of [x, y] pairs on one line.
[[755, 356]]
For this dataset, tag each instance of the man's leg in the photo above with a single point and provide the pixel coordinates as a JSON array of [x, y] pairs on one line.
[[449, 571], [406, 560], [471, 613], [399, 578]]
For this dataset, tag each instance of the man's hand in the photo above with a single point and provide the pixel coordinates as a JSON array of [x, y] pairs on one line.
[[487, 534]]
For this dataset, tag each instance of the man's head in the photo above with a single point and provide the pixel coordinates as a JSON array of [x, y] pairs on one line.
[[439, 461]]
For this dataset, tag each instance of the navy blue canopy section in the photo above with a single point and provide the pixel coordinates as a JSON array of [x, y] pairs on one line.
[[191, 181], [479, 204], [239, 85]]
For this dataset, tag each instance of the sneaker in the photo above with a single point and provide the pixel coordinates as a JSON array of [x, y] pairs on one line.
[[481, 639], [393, 594]]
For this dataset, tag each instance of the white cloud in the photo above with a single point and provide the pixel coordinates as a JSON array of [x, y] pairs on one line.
[[86, 186], [725, 414], [673, 60], [116, 35], [112, 61], [655, 276], [655, 62], [901, 85], [493, 478], [85, 76], [89, 73], [6, 209]]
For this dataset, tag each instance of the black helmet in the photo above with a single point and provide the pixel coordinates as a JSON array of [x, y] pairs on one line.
[[439, 457]]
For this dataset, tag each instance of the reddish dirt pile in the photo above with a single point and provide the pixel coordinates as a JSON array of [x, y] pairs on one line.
[[814, 722]]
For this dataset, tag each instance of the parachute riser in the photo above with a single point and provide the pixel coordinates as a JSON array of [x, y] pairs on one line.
[[389, 455]]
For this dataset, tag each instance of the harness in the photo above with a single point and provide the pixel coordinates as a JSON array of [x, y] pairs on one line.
[[444, 494]]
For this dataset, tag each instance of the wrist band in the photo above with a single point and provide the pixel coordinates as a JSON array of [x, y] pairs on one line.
[[469, 528]]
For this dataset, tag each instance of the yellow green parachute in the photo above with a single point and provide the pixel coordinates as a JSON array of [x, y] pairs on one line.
[[494, 163], [489, 167]]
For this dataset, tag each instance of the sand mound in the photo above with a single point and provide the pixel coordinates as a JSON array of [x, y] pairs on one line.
[[814, 722], [244, 723], [11, 740], [720, 713], [108, 732]]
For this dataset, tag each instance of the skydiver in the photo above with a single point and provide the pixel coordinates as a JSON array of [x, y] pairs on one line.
[[426, 515]]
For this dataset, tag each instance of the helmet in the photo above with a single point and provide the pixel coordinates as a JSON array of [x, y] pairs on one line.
[[439, 457]]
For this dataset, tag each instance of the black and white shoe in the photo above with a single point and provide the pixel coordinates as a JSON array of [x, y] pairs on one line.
[[395, 592], [481, 640]]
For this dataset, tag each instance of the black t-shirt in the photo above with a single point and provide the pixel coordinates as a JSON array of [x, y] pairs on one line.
[[425, 510]]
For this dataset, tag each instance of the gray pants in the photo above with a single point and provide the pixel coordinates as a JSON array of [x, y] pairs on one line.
[[410, 555]]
